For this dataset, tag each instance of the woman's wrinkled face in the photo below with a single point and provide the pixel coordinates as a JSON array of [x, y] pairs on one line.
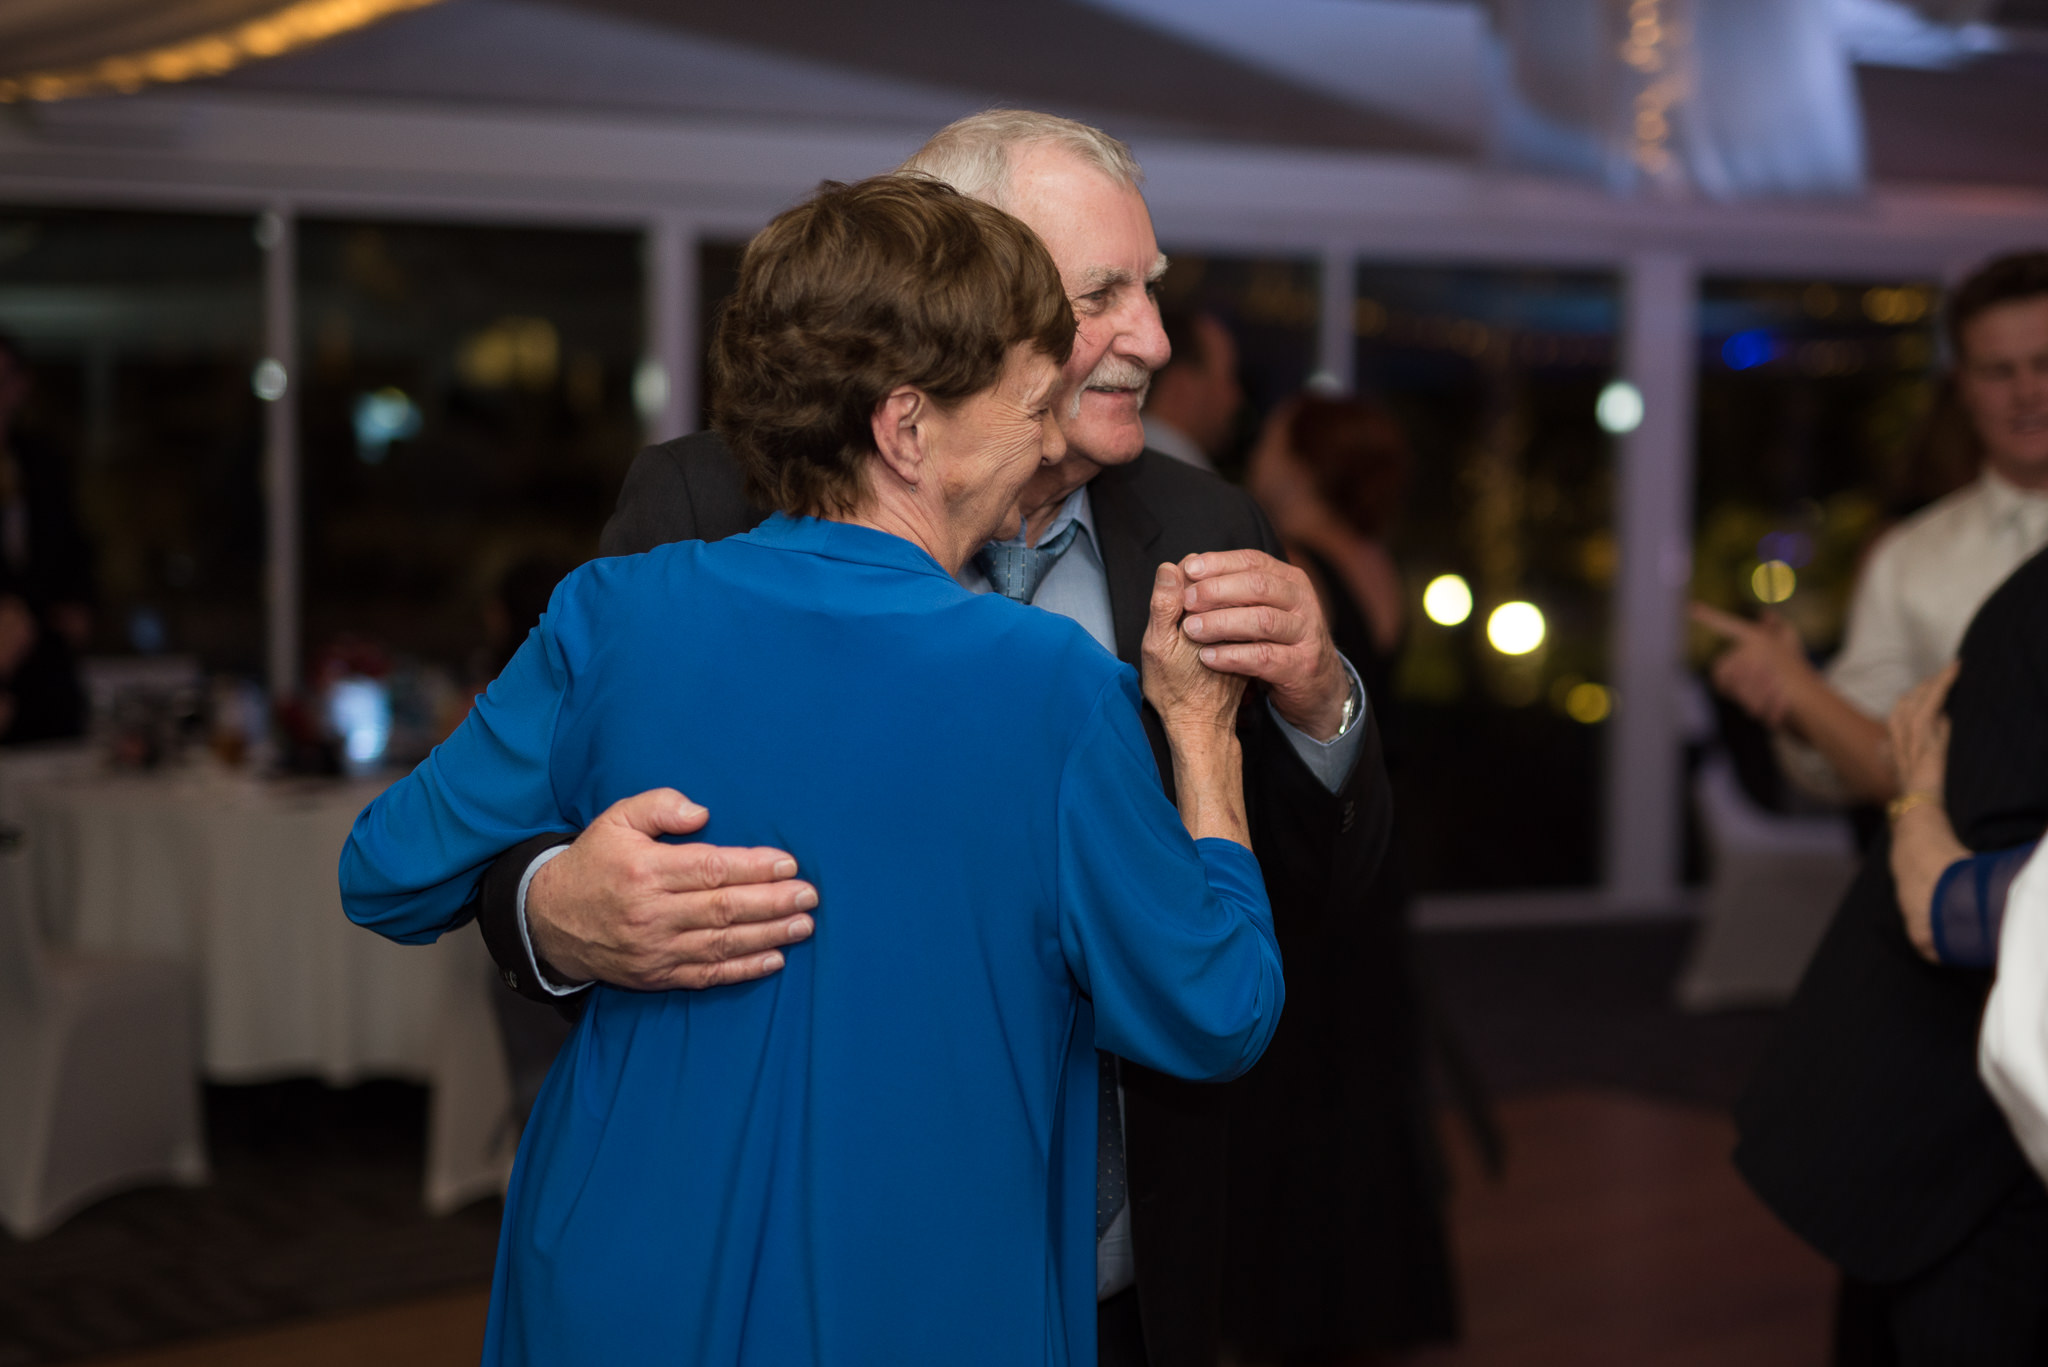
[[989, 444]]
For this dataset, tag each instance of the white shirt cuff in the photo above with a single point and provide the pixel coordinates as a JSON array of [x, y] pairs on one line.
[[1332, 760], [526, 939]]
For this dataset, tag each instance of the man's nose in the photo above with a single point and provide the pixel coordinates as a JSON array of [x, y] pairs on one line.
[[1143, 336]]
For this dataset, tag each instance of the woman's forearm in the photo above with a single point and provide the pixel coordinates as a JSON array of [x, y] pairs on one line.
[[1208, 781], [1924, 844]]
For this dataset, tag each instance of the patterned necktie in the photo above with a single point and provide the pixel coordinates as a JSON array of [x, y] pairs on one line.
[[1016, 571], [1109, 1145]]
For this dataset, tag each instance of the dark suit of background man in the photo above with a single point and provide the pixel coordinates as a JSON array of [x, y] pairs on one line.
[[1868, 1130], [619, 907], [46, 575]]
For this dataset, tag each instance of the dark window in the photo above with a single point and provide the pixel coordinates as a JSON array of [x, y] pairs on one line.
[[466, 408], [1495, 376], [1817, 427], [141, 331]]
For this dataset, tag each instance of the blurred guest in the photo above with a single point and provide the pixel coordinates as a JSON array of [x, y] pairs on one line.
[[1868, 1129], [1924, 578], [1976, 911], [515, 604], [1337, 1241], [46, 581], [1195, 396]]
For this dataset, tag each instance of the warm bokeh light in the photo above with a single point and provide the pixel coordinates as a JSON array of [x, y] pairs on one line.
[[285, 29], [1589, 703], [1447, 601], [1515, 628], [1773, 581], [1620, 408]]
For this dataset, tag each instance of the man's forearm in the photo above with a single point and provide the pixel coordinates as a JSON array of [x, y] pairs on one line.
[[1854, 745], [1331, 761], [550, 978], [500, 913]]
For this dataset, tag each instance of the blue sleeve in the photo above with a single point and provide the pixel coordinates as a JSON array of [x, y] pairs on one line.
[[1170, 937], [1969, 906], [414, 857]]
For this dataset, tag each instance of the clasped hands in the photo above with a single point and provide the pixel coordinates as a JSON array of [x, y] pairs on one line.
[[621, 906]]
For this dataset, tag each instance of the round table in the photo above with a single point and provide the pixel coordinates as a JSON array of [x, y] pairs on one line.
[[235, 876]]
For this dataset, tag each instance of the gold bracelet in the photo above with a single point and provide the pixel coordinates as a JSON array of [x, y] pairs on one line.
[[1906, 802]]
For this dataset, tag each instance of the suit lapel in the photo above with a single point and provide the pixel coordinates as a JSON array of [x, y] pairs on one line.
[[1125, 532]]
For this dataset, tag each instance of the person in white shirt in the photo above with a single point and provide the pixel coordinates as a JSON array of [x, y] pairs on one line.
[[1194, 399], [1925, 578]]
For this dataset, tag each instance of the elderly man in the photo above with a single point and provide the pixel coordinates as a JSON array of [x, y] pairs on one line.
[[617, 905]]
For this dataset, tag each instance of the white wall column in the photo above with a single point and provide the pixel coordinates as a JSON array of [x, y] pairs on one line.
[[671, 284], [1337, 335], [1653, 525], [277, 383]]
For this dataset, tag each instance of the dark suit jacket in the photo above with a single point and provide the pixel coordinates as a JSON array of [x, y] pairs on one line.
[[1318, 850], [1867, 1129]]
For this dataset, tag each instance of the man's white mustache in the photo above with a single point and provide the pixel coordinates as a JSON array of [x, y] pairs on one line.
[[1112, 372]]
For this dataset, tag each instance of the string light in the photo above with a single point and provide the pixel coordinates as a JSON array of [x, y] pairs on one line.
[[1651, 49], [286, 29]]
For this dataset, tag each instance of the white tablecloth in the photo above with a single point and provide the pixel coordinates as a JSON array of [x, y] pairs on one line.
[[235, 876]]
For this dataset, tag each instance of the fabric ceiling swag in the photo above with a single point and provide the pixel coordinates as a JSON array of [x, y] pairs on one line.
[[57, 49]]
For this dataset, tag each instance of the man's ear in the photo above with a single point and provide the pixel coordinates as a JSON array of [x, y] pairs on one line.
[[898, 439]]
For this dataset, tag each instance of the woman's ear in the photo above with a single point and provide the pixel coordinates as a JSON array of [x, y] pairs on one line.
[[898, 438]]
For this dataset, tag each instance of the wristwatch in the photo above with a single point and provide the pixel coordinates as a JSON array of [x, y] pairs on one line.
[[1350, 712]]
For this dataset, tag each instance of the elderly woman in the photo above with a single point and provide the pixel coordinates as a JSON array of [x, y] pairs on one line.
[[886, 1152]]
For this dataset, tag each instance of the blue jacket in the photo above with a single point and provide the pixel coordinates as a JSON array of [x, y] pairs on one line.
[[886, 1152]]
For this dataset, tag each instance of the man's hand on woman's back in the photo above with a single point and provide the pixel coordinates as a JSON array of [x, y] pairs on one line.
[[621, 906]]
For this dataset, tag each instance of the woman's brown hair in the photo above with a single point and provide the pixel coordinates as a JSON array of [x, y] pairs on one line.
[[895, 280], [1357, 456]]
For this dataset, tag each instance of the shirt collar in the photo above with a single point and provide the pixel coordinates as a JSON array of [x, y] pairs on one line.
[[1077, 508], [845, 541], [2013, 506]]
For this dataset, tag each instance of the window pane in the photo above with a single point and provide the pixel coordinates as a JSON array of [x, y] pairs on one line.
[[1815, 400], [1495, 375], [467, 409], [718, 275], [141, 331]]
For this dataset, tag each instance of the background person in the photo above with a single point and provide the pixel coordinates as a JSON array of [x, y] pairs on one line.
[[1337, 1229], [1868, 1129], [1192, 405], [46, 576], [888, 1153], [619, 907], [1976, 911], [1925, 578]]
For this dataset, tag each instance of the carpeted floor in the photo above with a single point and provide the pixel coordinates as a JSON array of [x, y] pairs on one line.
[[1589, 1006], [314, 1207]]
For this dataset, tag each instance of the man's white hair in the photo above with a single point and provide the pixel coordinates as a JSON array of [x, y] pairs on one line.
[[973, 154]]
